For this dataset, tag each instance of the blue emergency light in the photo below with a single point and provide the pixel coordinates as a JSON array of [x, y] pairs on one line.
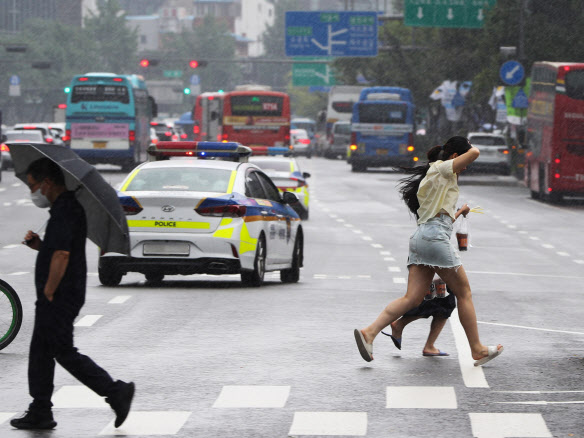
[[200, 149]]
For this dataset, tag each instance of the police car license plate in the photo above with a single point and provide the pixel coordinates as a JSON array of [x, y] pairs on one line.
[[166, 248]]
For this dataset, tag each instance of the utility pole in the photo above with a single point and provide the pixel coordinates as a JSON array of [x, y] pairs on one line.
[[522, 6]]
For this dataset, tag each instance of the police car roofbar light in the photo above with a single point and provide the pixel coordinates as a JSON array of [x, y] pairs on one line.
[[269, 150], [203, 149]]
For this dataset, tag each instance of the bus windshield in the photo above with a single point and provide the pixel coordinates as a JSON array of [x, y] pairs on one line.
[[382, 113], [575, 85]]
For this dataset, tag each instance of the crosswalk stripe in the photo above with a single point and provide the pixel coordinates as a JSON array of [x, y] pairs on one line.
[[473, 377], [487, 425], [87, 321], [120, 299], [329, 423], [142, 423]]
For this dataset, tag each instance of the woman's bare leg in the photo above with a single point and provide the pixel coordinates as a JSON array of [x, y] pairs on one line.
[[457, 281], [419, 280]]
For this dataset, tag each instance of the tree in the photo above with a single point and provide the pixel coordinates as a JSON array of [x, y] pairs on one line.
[[116, 44]]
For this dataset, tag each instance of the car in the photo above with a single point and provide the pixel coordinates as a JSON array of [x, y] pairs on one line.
[[164, 131], [41, 127], [495, 154], [287, 176], [300, 142], [339, 140], [205, 216], [17, 136]]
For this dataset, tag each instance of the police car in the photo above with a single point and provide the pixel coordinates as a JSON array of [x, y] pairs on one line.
[[285, 172], [200, 215]]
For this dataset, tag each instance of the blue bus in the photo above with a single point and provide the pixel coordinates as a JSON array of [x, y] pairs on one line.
[[382, 129], [108, 118]]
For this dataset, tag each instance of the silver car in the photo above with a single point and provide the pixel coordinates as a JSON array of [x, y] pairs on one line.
[[18, 136], [495, 154], [339, 140]]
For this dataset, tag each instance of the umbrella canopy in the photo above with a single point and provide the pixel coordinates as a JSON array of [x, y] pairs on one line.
[[106, 222]]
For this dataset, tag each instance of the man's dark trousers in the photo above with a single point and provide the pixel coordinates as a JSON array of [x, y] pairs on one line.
[[52, 339]]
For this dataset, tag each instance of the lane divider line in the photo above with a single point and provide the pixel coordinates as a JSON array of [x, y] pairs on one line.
[[87, 321]]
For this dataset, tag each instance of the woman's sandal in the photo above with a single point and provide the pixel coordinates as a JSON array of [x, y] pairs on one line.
[[365, 349], [493, 353]]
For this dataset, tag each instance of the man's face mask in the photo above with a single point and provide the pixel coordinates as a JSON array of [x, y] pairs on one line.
[[39, 199]]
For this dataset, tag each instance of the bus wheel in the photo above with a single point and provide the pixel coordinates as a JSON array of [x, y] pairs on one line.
[[534, 194], [358, 167]]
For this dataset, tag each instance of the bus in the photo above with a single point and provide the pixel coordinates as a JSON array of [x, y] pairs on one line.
[[107, 119], [554, 163], [208, 117], [340, 103], [382, 129], [256, 118]]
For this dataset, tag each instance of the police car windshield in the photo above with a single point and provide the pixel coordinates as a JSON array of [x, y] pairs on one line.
[[274, 166], [181, 179]]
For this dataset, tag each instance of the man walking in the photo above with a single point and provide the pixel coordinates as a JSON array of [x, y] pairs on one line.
[[60, 280]]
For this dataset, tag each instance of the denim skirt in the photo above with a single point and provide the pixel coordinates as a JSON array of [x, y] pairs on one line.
[[430, 245]]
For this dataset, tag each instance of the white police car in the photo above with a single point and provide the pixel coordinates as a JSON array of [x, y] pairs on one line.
[[195, 216]]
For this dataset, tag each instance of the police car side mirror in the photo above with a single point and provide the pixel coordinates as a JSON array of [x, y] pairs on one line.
[[289, 198], [305, 175]]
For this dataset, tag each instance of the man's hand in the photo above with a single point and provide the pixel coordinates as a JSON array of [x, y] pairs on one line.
[[32, 240], [464, 210]]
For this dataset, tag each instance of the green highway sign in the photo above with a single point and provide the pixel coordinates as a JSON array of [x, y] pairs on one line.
[[306, 75], [447, 13], [172, 73]]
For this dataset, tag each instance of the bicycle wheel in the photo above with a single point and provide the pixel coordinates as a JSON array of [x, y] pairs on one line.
[[10, 314]]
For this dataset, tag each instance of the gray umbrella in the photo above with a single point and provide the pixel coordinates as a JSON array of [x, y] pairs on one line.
[[106, 222]]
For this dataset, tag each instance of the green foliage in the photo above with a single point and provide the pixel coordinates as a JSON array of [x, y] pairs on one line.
[[210, 39], [305, 104]]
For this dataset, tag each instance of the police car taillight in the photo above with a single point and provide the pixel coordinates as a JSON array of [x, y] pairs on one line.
[[222, 211]]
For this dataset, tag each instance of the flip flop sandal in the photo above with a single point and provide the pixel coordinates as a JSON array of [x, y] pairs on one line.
[[365, 349], [493, 353]]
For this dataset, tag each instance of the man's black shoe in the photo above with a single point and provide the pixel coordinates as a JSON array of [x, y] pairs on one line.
[[122, 401], [34, 420]]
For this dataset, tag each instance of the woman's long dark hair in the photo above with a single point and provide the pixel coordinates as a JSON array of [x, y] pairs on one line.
[[408, 186]]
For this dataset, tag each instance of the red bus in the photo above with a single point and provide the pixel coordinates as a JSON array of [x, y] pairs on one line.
[[208, 117], [257, 118], [555, 131]]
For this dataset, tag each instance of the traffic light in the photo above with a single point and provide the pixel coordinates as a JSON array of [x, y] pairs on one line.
[[149, 62], [43, 65], [67, 90], [187, 90], [194, 63]]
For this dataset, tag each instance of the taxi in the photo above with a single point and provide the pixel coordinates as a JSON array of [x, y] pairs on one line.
[[285, 172], [210, 212]]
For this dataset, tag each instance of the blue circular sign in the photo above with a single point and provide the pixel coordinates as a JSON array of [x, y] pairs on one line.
[[512, 72], [14, 80]]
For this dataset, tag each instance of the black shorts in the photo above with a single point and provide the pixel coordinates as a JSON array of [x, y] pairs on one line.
[[441, 307]]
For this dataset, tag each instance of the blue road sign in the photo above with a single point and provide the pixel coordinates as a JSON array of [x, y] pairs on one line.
[[335, 33], [512, 73], [520, 101], [14, 80], [195, 80]]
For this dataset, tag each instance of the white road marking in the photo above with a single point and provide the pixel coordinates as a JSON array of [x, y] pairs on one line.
[[7, 204], [393, 269], [19, 273], [487, 425], [16, 184], [580, 262], [520, 274], [340, 220], [333, 215], [367, 238], [78, 396], [12, 246], [537, 392], [420, 397], [512, 226], [329, 423], [377, 245], [503, 221], [563, 254], [389, 259], [534, 237], [5, 416], [522, 232], [357, 231], [531, 328], [547, 245], [384, 252], [349, 225], [2, 189], [473, 377], [149, 423], [120, 299], [542, 402], [87, 321], [399, 280], [364, 276], [252, 396]]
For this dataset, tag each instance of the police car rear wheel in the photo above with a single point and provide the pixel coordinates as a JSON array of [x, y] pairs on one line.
[[256, 277], [109, 277], [154, 277]]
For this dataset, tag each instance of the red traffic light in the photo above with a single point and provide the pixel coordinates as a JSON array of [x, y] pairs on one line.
[[144, 63], [149, 62], [193, 64]]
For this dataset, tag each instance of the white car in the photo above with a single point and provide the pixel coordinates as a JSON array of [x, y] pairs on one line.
[[205, 216], [300, 142], [287, 176], [18, 136], [495, 154]]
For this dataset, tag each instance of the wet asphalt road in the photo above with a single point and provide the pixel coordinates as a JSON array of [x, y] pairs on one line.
[[213, 359]]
